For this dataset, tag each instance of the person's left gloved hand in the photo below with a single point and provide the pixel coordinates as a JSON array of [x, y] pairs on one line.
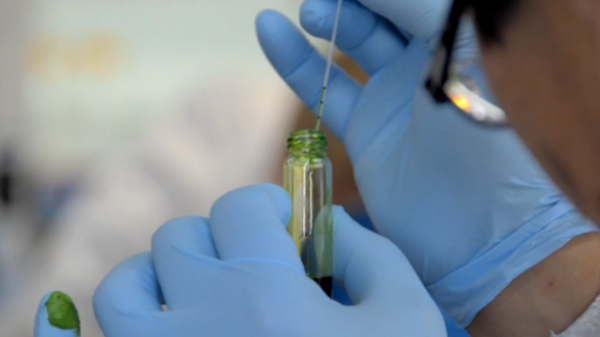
[[239, 274]]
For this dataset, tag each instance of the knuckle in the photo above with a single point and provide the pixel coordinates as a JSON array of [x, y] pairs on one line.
[[172, 229], [387, 248], [251, 194]]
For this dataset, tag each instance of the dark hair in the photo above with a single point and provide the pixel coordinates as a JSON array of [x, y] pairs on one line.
[[492, 16]]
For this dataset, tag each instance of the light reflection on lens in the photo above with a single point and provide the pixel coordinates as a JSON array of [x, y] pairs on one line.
[[463, 90], [461, 102]]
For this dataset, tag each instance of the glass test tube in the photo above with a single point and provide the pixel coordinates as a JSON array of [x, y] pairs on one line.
[[308, 179]]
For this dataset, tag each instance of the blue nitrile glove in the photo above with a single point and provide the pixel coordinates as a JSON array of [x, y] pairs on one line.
[[239, 274], [57, 317], [468, 205], [340, 295]]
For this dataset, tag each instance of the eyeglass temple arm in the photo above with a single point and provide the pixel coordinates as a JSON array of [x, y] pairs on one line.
[[443, 56]]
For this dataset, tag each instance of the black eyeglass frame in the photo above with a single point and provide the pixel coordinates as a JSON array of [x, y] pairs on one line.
[[440, 79], [443, 57]]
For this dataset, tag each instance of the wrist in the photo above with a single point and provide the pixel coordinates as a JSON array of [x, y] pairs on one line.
[[468, 290], [549, 297]]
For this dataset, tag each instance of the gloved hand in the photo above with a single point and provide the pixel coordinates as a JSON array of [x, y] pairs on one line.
[[239, 274], [467, 205], [340, 295], [57, 317]]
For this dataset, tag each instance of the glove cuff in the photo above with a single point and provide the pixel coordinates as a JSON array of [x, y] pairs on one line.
[[466, 291]]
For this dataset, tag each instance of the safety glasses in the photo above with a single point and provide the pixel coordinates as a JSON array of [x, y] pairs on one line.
[[450, 82]]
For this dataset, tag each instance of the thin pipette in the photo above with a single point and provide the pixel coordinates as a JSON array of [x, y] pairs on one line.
[[329, 63]]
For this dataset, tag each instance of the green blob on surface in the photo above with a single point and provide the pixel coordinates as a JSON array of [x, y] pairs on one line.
[[62, 313]]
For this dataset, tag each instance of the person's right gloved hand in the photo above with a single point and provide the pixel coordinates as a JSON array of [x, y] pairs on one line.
[[238, 273], [468, 205]]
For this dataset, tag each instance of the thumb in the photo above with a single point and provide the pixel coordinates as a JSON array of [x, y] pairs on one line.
[[57, 317], [371, 268], [382, 285]]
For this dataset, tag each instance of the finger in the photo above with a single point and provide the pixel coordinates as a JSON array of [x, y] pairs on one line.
[[363, 35], [371, 268], [180, 251], [128, 301], [423, 19], [57, 317], [302, 68], [387, 114], [250, 224]]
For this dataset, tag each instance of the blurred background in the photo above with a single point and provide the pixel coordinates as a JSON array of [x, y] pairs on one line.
[[116, 116]]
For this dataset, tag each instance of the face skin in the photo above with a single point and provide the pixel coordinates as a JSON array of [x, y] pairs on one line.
[[546, 75]]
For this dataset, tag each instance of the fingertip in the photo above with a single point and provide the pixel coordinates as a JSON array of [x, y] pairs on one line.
[[57, 316], [344, 221], [339, 212], [275, 189], [313, 15], [186, 234], [45, 299], [269, 21], [268, 14], [128, 302], [264, 12], [131, 287], [249, 223], [282, 42], [260, 19], [282, 201], [41, 317], [268, 197]]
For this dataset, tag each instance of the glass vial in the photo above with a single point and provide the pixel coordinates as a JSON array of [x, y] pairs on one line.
[[308, 179]]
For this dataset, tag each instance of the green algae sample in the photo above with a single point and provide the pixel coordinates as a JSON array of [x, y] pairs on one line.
[[62, 313]]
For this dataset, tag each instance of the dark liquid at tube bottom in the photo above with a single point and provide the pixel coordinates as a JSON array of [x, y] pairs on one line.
[[326, 284]]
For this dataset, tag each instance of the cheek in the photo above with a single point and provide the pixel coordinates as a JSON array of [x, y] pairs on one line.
[[588, 10], [530, 101], [521, 92], [527, 103], [559, 122]]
